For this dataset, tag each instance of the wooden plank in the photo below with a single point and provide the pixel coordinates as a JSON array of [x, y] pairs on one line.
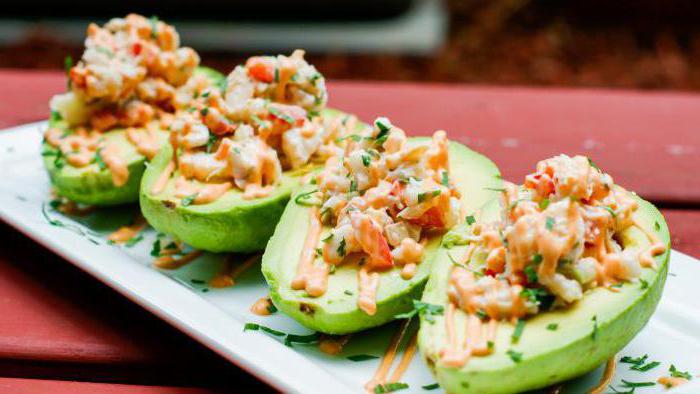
[[685, 230], [60, 323], [649, 142], [32, 386]]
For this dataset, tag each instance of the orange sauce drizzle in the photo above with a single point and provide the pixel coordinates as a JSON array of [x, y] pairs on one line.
[[145, 141], [125, 233], [253, 191], [368, 284], [388, 359], [116, 164], [228, 274], [670, 381], [405, 359], [72, 208], [311, 277], [646, 257], [162, 180], [169, 262], [262, 307], [331, 344], [606, 378]]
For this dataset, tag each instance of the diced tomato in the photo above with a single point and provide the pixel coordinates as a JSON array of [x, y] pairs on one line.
[[489, 272], [432, 218], [261, 68], [136, 48]]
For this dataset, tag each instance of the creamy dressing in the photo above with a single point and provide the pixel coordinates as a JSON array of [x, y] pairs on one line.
[[368, 284], [310, 276], [163, 179], [332, 344], [145, 140], [228, 274], [646, 257], [385, 365], [116, 164], [170, 262], [125, 233], [262, 307]]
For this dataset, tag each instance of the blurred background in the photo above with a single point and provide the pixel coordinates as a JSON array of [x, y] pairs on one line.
[[647, 44]]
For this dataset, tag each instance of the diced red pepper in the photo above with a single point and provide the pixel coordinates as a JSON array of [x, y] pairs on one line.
[[261, 68]]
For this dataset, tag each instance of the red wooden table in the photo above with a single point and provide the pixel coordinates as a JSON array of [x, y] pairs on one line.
[[62, 331]]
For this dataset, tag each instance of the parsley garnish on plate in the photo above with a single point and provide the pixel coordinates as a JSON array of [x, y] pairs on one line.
[[427, 310], [433, 386], [362, 357], [258, 327], [389, 387], [470, 220], [679, 374]]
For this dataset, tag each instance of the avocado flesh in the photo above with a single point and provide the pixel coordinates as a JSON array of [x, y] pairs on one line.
[[336, 311], [549, 357], [92, 185], [229, 224]]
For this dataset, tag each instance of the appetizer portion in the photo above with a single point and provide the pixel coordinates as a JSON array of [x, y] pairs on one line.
[[235, 156], [354, 248], [569, 266], [121, 99]]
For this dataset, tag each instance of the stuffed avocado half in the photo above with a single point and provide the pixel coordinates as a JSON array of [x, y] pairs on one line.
[[235, 158], [354, 248], [545, 285], [122, 96]]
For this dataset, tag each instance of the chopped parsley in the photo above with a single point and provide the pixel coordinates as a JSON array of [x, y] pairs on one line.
[[55, 116], [552, 326], [155, 249], [154, 27], [366, 160], [592, 164], [189, 199], [204, 111], [354, 137], [495, 189], [610, 210], [544, 203], [210, 142], [424, 309], [646, 367], [481, 314], [537, 258], [99, 160], [384, 126], [518, 332], [643, 284], [445, 179], [470, 220], [536, 295], [515, 356], [258, 327], [433, 386], [657, 226], [428, 195], [389, 387], [341, 248], [353, 186], [277, 74], [291, 339], [679, 374], [361, 357], [67, 65], [197, 281], [279, 115], [328, 238], [628, 384], [531, 274], [301, 199], [133, 240], [271, 308], [348, 292], [549, 224]]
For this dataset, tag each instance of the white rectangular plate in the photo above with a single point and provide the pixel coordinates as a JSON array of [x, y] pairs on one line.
[[216, 317]]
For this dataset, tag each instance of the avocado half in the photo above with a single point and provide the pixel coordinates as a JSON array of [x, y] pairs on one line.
[[229, 224], [92, 185], [577, 346], [336, 312]]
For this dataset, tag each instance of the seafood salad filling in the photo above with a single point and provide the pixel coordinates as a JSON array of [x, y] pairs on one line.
[[265, 121], [559, 236], [133, 74], [381, 198]]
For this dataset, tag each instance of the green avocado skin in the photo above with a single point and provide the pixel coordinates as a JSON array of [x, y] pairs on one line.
[[336, 311], [550, 357], [92, 185], [230, 224]]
